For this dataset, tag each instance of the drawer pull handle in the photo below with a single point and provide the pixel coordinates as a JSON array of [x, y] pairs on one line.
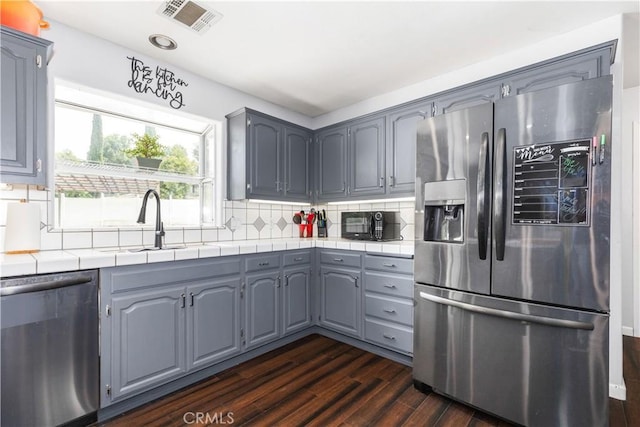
[[338, 260], [298, 259], [391, 311], [262, 264], [389, 337], [390, 286], [389, 265]]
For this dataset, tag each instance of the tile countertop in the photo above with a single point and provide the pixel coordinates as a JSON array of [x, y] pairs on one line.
[[83, 259]]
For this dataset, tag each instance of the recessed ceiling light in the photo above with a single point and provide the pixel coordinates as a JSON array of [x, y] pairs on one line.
[[163, 42]]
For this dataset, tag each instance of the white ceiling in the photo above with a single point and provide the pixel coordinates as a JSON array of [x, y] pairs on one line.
[[316, 56]]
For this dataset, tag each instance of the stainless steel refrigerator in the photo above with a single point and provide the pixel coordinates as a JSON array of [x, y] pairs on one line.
[[512, 255]]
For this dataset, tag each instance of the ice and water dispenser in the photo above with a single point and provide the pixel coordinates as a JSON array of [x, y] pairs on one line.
[[444, 211]]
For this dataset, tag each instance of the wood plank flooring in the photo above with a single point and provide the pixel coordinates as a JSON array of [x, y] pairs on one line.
[[317, 381]]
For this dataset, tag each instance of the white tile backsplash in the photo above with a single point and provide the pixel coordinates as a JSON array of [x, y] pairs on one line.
[[76, 239], [130, 238], [105, 239], [244, 213]]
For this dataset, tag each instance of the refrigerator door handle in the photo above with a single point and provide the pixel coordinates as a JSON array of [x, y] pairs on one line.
[[499, 190], [481, 199], [542, 320]]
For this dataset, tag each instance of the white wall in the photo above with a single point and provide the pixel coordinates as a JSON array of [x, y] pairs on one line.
[[94, 62], [631, 218]]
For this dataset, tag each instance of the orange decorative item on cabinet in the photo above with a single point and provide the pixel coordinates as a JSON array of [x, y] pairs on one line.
[[22, 15]]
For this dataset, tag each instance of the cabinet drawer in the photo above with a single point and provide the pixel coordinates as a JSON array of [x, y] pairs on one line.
[[262, 262], [389, 284], [132, 277], [340, 258], [393, 310], [395, 337], [390, 264], [296, 258]]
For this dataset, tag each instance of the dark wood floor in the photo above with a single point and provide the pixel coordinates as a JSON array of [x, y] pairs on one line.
[[317, 381]]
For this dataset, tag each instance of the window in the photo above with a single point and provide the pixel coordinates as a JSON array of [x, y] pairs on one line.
[[101, 166]]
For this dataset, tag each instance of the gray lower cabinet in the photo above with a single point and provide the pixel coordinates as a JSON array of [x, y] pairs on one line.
[[213, 322], [388, 301], [296, 303], [340, 299], [262, 313], [23, 152], [148, 339], [161, 321], [277, 290]]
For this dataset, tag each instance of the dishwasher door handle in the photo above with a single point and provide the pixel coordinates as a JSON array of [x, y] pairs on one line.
[[45, 285]]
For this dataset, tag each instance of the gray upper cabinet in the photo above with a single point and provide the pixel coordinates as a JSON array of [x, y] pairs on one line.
[[297, 164], [148, 339], [265, 154], [566, 70], [402, 125], [268, 158], [332, 163], [467, 97], [366, 163], [213, 322], [23, 155]]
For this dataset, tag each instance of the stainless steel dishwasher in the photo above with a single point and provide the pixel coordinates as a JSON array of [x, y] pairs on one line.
[[49, 361]]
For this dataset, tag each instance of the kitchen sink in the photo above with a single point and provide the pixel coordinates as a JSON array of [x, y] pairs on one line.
[[141, 249]]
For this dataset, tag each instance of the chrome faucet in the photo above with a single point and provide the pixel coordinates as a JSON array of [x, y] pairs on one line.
[[159, 226]]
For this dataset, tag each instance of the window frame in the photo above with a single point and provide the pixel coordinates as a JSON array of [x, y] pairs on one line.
[[210, 157]]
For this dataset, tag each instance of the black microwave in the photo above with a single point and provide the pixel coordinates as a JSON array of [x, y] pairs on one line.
[[372, 225]]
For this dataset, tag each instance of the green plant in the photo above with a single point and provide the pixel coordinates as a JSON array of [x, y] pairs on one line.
[[146, 146]]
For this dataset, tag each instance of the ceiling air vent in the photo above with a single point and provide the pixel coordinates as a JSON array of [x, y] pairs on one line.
[[190, 14]]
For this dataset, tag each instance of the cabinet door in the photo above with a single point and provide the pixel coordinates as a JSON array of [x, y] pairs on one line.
[[265, 154], [401, 148], [366, 158], [297, 162], [262, 309], [23, 126], [466, 98], [582, 67], [148, 340], [332, 164], [296, 298], [213, 322], [340, 304]]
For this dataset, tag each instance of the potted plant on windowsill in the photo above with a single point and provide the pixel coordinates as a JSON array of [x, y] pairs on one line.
[[147, 150]]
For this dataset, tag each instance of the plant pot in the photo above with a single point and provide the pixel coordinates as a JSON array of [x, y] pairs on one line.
[[147, 163]]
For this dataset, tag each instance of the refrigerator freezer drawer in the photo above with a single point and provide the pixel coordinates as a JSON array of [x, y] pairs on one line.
[[531, 364]]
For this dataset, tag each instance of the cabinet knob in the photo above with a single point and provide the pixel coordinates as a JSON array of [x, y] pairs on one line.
[[382, 182], [390, 311], [389, 337], [39, 165]]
